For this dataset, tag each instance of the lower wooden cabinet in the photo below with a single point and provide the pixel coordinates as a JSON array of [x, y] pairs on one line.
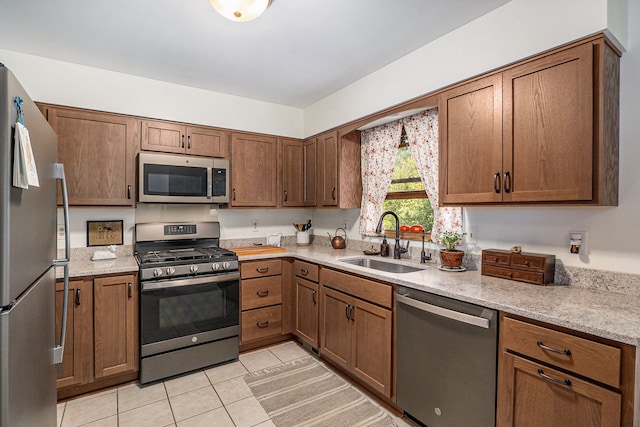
[[261, 297], [355, 334], [101, 346], [307, 302], [550, 376]]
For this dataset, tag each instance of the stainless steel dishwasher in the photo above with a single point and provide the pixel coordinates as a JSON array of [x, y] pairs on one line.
[[446, 360]]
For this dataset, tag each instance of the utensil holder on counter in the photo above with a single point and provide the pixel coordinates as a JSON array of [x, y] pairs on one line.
[[303, 238]]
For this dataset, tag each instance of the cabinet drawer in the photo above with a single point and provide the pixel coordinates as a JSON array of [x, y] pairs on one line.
[[496, 258], [368, 290], [261, 323], [250, 269], [306, 270], [261, 292], [527, 262], [588, 358], [506, 273]]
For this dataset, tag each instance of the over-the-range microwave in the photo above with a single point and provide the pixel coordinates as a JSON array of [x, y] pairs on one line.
[[174, 178]]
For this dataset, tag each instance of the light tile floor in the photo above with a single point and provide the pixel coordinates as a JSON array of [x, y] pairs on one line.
[[213, 397]]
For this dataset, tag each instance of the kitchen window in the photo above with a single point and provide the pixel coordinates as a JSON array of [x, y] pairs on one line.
[[407, 196]]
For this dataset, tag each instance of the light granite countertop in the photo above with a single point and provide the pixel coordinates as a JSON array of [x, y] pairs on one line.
[[606, 314], [602, 313], [80, 268]]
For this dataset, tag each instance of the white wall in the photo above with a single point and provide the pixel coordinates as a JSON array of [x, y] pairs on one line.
[[519, 29], [57, 82]]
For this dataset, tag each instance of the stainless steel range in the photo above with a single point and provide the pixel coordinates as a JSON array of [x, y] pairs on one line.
[[190, 288]]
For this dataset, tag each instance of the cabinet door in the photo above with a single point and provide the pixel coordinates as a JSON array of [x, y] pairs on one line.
[[293, 173], [533, 395], [161, 136], [98, 152], [371, 346], [328, 169], [306, 316], [115, 325], [204, 141], [77, 360], [470, 126], [310, 159], [548, 127], [335, 341], [254, 166]]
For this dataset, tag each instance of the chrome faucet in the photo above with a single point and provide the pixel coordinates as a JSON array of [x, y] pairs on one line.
[[397, 250]]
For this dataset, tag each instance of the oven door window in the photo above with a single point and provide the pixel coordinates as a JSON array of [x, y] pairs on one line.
[[167, 180], [188, 310]]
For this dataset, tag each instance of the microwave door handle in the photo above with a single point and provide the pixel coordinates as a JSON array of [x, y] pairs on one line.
[[209, 182]]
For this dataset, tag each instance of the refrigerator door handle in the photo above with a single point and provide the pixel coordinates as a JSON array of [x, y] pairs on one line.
[[58, 350]]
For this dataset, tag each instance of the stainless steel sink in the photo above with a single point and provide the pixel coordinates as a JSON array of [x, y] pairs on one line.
[[377, 264]]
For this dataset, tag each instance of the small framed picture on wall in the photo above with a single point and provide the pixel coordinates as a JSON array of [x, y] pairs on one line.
[[104, 233]]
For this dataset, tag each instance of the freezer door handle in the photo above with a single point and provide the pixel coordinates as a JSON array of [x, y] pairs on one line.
[[58, 350], [444, 312]]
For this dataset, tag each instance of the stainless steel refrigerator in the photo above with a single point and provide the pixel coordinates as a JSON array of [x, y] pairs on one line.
[[28, 222]]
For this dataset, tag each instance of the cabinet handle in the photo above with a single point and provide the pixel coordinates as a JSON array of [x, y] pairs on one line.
[[262, 324], [129, 192], [285, 195], [77, 296], [262, 293], [189, 142], [566, 352], [352, 313], [507, 182], [496, 182], [130, 291], [304, 271], [333, 193], [346, 311], [313, 297], [234, 194], [526, 263], [182, 146], [262, 269], [566, 383]]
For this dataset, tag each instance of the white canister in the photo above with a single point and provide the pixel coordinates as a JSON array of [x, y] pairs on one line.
[[302, 238]]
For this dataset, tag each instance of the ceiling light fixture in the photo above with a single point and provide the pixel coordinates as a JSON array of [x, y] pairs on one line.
[[240, 10]]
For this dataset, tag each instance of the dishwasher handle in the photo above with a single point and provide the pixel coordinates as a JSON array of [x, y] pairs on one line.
[[444, 312]]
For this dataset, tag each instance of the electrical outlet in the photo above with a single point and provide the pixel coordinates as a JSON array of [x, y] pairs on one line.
[[472, 235], [254, 225]]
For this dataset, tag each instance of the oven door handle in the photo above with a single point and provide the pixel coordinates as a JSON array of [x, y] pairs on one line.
[[165, 284]]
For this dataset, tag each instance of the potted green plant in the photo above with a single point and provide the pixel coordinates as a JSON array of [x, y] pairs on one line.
[[450, 257]]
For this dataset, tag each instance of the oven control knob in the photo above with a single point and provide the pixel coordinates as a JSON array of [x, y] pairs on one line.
[[170, 271], [193, 268], [215, 266], [226, 265], [157, 272]]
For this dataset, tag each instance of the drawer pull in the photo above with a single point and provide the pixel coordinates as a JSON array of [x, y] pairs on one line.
[[566, 383], [496, 182], [263, 293], [262, 269], [526, 263], [78, 296], [553, 350], [262, 324], [313, 298], [304, 271]]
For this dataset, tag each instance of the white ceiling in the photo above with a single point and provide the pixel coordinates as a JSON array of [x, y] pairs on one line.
[[297, 53]]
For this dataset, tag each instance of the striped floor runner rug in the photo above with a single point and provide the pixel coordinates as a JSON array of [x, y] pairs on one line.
[[305, 393]]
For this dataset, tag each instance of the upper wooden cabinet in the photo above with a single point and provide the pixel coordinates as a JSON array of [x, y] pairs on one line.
[[542, 131], [338, 173], [98, 152], [170, 137], [254, 170], [298, 172]]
